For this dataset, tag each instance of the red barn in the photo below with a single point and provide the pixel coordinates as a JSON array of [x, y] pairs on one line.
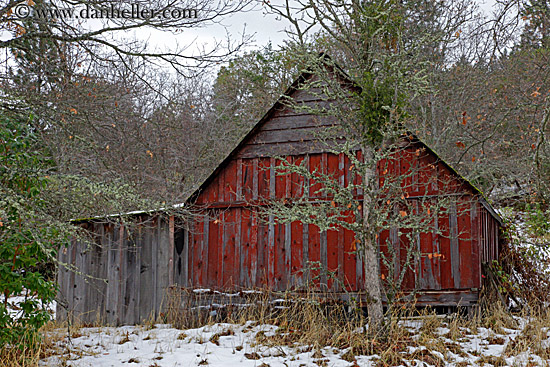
[[227, 246]]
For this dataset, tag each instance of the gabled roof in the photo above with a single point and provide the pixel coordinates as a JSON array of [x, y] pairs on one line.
[[300, 80]]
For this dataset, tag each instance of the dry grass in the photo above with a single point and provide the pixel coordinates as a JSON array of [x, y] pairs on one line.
[[313, 322], [45, 347]]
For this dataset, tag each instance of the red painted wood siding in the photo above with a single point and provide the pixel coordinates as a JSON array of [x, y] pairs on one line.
[[240, 249], [233, 247]]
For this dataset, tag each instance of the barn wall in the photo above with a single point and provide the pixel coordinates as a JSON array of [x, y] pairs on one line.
[[231, 246], [238, 249], [120, 276]]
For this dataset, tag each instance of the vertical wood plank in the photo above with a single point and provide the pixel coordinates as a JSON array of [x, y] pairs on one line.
[[79, 290], [297, 264], [90, 258], [436, 263], [171, 251], [239, 195], [185, 252], [196, 264], [254, 249], [280, 178], [137, 272], [221, 185], [340, 249], [70, 285], [455, 254], [245, 275], [102, 275], [154, 263], [305, 252], [288, 179], [229, 249], [131, 283], [324, 170], [428, 253], [146, 274], [163, 258], [255, 179], [221, 248], [261, 273], [475, 255], [288, 255], [279, 279], [121, 289], [467, 259], [272, 179], [205, 250], [323, 259], [238, 250], [195, 239], [332, 258], [307, 183], [314, 239], [112, 276], [271, 251], [213, 246]]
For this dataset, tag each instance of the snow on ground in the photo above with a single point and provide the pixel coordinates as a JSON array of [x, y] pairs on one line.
[[230, 345], [14, 306], [213, 345]]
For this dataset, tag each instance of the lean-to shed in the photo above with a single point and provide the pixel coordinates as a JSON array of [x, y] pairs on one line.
[[225, 245]]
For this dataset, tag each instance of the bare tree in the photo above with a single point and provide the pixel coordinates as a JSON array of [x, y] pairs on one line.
[[104, 23], [388, 48]]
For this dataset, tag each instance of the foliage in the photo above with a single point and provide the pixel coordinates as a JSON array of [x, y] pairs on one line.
[[249, 84], [523, 270], [538, 220], [28, 236]]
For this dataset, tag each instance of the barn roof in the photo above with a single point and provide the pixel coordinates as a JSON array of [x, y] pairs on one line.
[[304, 75]]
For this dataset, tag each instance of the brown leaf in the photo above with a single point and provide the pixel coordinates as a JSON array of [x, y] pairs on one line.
[[252, 355]]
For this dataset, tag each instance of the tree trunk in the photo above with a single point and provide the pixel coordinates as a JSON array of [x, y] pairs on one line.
[[371, 261]]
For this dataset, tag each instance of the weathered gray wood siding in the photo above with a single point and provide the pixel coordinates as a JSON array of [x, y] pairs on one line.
[[118, 276]]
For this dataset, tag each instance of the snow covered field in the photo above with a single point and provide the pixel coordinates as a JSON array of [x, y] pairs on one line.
[[231, 345]]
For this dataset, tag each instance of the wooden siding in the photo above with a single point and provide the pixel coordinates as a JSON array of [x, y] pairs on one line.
[[119, 276], [449, 248]]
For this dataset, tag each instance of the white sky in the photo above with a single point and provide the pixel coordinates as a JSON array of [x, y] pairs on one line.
[[256, 23], [263, 27]]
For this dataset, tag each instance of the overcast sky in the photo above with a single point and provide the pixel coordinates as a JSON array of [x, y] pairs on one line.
[[263, 27]]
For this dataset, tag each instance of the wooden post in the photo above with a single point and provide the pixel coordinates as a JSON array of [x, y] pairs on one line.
[[171, 252]]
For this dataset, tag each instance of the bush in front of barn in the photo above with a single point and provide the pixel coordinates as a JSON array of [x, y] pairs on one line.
[[28, 239]]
